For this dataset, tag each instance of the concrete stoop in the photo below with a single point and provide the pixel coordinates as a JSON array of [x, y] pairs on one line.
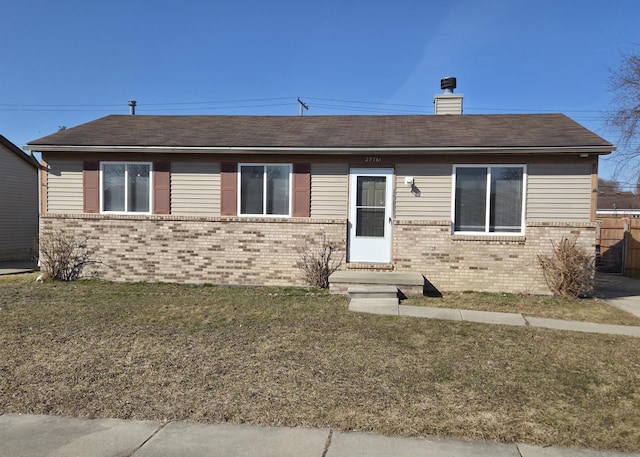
[[407, 283], [374, 299], [377, 292]]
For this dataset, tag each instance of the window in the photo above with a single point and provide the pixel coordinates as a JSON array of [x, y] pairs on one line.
[[489, 199], [265, 190], [126, 187], [370, 205]]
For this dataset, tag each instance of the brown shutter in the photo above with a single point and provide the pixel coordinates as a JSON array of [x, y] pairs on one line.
[[91, 186], [161, 188], [301, 190], [229, 189]]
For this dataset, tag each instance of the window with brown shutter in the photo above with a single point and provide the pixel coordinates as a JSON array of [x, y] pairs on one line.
[[264, 189]]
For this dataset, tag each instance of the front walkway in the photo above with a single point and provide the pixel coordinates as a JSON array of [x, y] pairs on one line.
[[487, 317], [618, 291]]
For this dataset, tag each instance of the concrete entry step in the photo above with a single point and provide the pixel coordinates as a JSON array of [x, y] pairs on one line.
[[408, 283], [375, 305], [373, 292]]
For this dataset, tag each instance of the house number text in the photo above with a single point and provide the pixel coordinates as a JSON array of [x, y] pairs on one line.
[[373, 159]]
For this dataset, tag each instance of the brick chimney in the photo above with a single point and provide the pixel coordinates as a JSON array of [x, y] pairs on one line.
[[447, 102]]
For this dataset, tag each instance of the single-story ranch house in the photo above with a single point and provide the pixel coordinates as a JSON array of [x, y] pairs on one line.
[[468, 201]]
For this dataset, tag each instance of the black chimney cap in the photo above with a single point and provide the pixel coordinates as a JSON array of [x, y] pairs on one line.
[[448, 83]]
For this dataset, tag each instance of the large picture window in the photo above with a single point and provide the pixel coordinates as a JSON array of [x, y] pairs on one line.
[[489, 199], [265, 190], [126, 187]]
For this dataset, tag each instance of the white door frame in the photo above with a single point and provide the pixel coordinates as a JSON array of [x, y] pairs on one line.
[[370, 248]]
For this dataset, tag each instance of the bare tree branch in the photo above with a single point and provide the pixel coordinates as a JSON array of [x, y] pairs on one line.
[[625, 113]]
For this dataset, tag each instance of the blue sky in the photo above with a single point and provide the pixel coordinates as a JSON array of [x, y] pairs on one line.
[[69, 62]]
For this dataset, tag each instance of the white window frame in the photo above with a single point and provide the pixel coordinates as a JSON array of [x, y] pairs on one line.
[[486, 231], [264, 189], [102, 164]]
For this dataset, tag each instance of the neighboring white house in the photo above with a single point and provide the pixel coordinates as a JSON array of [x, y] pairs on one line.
[[18, 202]]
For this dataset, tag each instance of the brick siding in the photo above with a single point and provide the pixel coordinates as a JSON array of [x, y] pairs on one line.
[[261, 251], [245, 251], [482, 263]]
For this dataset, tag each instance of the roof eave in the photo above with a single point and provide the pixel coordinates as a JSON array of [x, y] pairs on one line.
[[600, 150]]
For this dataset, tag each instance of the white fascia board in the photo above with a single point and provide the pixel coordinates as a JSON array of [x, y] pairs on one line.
[[330, 150]]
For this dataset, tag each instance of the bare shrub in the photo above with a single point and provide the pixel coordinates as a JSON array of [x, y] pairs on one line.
[[570, 270], [318, 262], [64, 257]]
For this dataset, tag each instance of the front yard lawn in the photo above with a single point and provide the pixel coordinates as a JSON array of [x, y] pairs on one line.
[[286, 356]]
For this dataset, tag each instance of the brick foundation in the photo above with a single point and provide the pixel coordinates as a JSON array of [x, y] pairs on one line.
[[246, 251], [257, 251], [482, 263]]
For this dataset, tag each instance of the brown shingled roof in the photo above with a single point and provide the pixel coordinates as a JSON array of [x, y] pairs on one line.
[[393, 131], [618, 201]]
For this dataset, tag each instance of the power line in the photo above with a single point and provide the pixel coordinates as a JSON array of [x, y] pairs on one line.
[[247, 100], [249, 103], [41, 105], [216, 108], [363, 102], [364, 109]]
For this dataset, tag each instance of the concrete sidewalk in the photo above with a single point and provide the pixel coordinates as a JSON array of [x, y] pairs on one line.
[[54, 436]]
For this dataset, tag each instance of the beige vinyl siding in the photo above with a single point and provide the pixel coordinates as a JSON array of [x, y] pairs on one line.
[[64, 186], [559, 192], [18, 206], [433, 182], [329, 191], [195, 189]]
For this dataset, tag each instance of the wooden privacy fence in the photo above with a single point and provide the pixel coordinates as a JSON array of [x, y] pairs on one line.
[[618, 240]]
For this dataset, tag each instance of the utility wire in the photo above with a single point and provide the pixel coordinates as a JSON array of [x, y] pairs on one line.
[[339, 104]]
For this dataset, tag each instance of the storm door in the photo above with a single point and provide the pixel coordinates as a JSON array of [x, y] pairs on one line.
[[370, 214]]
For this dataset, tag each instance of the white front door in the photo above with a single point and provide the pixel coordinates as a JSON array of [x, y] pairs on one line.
[[370, 212]]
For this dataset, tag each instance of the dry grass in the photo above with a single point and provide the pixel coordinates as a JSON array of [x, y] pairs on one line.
[[585, 310], [299, 358]]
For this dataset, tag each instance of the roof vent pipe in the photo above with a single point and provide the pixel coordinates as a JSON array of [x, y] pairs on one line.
[[448, 84], [132, 107], [447, 102]]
